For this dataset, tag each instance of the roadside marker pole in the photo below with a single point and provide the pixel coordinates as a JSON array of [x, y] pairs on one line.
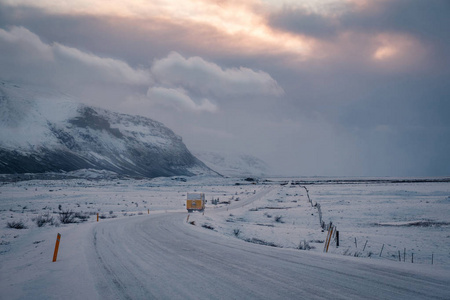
[[326, 241], [328, 244], [148, 211], [97, 217], [187, 220], [55, 254]]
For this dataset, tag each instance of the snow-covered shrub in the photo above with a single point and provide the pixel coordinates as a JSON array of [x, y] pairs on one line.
[[16, 225], [304, 246], [261, 242], [67, 217], [236, 232], [279, 219], [208, 226], [41, 220], [83, 217]]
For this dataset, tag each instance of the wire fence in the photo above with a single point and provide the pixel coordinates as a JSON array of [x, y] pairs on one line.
[[368, 248]]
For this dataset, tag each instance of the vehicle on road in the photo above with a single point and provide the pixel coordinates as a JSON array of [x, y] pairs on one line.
[[195, 202]]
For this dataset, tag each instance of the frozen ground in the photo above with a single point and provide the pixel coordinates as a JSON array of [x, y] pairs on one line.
[[405, 217], [401, 221]]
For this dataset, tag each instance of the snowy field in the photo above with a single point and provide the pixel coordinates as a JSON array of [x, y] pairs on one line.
[[409, 222], [413, 218]]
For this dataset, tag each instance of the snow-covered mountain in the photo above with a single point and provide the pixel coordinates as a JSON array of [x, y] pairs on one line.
[[234, 165], [44, 131]]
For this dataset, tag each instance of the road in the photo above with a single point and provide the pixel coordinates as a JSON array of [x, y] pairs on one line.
[[163, 257]]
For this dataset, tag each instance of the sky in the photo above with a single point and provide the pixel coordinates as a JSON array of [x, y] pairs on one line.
[[313, 87]]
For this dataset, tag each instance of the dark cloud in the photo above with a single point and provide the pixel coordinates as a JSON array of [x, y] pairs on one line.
[[428, 19], [299, 20]]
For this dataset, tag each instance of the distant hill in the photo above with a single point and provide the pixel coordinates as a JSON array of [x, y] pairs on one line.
[[234, 165], [46, 131]]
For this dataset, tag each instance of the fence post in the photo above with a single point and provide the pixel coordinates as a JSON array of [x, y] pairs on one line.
[[382, 247], [365, 245], [412, 257], [404, 254], [55, 253], [337, 238], [97, 217]]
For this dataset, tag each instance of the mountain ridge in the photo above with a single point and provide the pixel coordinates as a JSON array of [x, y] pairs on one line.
[[49, 132]]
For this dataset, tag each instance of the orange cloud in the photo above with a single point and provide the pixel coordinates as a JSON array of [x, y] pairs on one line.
[[398, 49], [241, 22]]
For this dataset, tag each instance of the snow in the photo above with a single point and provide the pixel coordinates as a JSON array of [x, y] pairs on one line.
[[233, 164], [25, 115], [143, 220]]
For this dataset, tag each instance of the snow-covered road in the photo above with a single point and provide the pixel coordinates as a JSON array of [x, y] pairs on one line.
[[163, 257]]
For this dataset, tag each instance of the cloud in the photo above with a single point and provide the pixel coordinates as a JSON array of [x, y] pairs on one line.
[[234, 24], [191, 83], [300, 20], [409, 33], [206, 78], [179, 99], [26, 58]]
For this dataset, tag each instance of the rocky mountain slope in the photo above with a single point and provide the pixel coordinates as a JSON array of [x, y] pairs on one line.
[[45, 131]]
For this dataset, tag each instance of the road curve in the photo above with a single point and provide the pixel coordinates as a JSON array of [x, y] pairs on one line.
[[163, 257]]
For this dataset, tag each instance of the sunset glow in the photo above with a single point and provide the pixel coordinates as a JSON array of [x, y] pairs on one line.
[[234, 19]]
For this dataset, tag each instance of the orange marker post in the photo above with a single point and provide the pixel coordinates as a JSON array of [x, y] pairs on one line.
[[55, 254], [97, 217], [331, 234]]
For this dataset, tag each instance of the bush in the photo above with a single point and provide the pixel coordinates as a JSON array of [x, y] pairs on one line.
[[41, 220], [83, 217], [16, 225], [304, 246], [236, 232], [207, 226], [278, 219], [67, 217], [261, 242]]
